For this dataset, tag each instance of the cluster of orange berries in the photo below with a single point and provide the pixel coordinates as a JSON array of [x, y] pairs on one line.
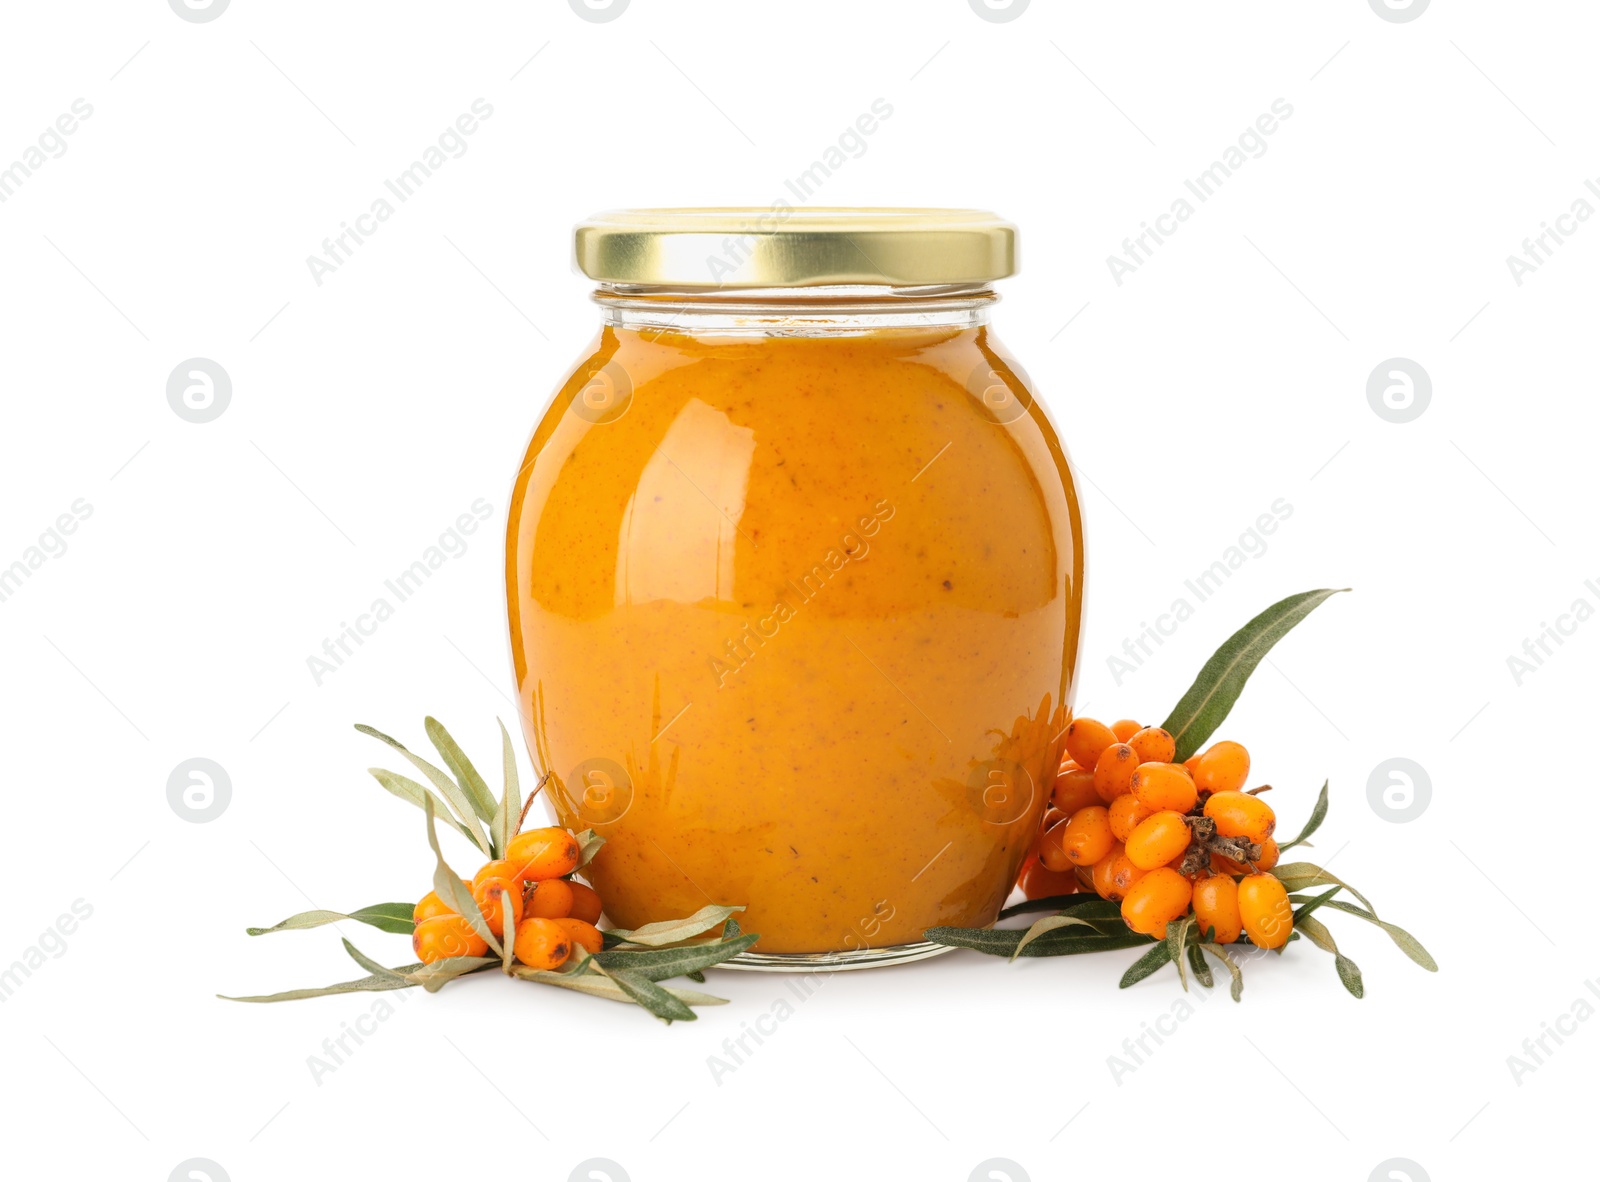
[[550, 914], [1159, 837]]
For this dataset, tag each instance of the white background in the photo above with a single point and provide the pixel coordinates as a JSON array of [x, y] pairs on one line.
[[370, 411]]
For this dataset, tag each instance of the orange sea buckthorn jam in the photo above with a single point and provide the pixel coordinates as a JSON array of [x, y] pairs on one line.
[[794, 614]]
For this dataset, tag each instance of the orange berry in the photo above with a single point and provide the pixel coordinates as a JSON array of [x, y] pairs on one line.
[[1269, 855], [1164, 786], [1216, 906], [1125, 729], [1124, 874], [1074, 789], [1264, 911], [1052, 854], [582, 935], [1126, 813], [586, 903], [498, 869], [1113, 775], [542, 943], [1100, 876], [1157, 840], [1086, 836], [1087, 739], [550, 899], [1038, 881], [543, 853], [431, 906], [1153, 745], [1238, 814], [490, 894], [1223, 767], [445, 936], [1191, 763], [1155, 901]]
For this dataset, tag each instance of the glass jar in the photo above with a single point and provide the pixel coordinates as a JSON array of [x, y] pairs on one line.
[[794, 571]]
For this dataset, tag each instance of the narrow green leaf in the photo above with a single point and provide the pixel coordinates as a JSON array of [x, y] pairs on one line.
[[455, 796], [661, 963], [1408, 943], [477, 790], [1198, 965], [1048, 924], [1147, 964], [372, 984], [408, 789], [509, 813], [388, 917], [1217, 687], [505, 952], [1083, 903], [1305, 909], [1301, 876], [730, 928], [1177, 936], [670, 931], [448, 886], [436, 976], [1050, 903], [1004, 941], [1319, 935], [589, 843], [697, 975], [1236, 990], [1319, 813], [652, 997], [372, 966]]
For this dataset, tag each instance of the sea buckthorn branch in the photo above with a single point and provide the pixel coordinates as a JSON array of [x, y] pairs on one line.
[[1179, 855], [525, 904]]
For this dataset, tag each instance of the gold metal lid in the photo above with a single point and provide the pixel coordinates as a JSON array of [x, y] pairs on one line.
[[765, 247]]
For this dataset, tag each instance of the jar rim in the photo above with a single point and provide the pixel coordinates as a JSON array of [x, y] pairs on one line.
[[785, 247]]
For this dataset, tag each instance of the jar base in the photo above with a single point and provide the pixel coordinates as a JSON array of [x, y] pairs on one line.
[[834, 962]]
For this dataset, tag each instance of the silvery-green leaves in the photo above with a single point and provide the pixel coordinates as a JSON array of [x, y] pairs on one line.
[[1319, 813], [1091, 924], [376, 983], [1085, 923], [673, 931], [629, 970], [452, 891], [471, 806], [1221, 679], [388, 917]]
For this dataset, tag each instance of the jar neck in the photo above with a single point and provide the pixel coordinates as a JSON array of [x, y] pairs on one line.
[[792, 310]]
